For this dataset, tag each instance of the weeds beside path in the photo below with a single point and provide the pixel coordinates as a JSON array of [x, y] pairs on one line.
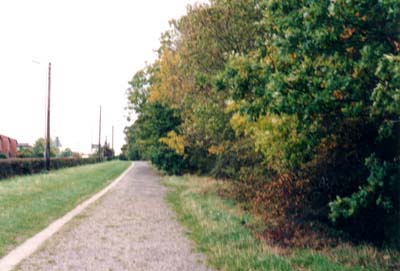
[[222, 231], [29, 203]]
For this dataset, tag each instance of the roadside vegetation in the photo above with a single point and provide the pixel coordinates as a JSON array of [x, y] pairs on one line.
[[30, 203], [296, 103], [227, 235], [26, 166]]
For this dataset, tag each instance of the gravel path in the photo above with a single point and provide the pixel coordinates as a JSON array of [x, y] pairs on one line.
[[130, 228]]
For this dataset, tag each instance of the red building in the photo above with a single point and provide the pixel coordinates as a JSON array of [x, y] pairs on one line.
[[8, 146]]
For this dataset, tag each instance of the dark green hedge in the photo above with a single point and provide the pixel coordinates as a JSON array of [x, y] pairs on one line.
[[24, 166]]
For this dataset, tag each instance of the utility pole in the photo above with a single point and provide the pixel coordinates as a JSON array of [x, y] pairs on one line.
[[112, 139], [48, 120], [100, 135]]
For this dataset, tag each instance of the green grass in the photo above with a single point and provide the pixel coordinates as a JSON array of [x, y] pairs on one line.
[[222, 232], [30, 203]]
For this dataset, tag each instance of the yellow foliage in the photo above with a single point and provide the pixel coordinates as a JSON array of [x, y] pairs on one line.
[[271, 134], [232, 106], [216, 149], [174, 142], [170, 83], [239, 123]]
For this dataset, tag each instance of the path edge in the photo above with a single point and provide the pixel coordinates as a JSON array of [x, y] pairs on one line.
[[29, 246]]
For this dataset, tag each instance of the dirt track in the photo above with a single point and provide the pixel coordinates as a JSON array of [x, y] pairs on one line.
[[130, 228]]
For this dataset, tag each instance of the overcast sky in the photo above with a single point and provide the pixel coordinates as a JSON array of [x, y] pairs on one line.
[[95, 47]]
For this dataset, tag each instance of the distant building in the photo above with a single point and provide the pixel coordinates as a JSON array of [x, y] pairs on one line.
[[8, 147]]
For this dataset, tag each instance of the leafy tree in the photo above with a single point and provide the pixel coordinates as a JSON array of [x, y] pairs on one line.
[[326, 73], [144, 137], [296, 97], [67, 153], [39, 147], [25, 152], [192, 52]]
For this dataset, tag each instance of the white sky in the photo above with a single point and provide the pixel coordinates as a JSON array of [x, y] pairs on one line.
[[95, 47]]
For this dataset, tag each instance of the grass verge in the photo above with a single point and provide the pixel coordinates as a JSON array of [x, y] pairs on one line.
[[221, 230], [30, 203]]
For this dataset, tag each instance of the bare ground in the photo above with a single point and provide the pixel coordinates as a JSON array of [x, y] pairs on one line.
[[130, 228]]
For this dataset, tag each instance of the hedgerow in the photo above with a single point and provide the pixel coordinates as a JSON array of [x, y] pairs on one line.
[[26, 166]]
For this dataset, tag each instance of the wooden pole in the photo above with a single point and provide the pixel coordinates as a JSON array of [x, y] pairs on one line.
[[100, 135], [112, 138], [48, 120]]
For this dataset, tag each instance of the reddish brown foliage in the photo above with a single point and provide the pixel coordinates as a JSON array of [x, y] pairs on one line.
[[285, 208]]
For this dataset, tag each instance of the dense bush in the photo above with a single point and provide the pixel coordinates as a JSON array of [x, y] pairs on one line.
[[168, 160], [146, 136], [320, 99], [14, 167], [297, 102]]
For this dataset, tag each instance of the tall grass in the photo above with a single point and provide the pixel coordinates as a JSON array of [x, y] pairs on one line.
[[225, 233]]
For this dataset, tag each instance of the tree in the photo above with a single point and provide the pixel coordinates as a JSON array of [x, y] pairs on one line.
[[324, 85], [154, 123], [67, 153], [39, 148], [191, 54], [25, 152], [298, 96]]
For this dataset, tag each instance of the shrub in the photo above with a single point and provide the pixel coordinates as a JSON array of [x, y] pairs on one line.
[[14, 167], [168, 160], [122, 157]]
